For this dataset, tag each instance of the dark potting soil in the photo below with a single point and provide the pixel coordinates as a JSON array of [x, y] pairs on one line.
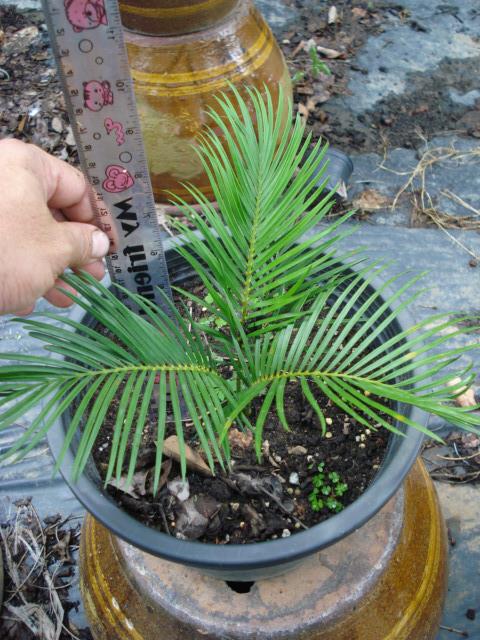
[[254, 501]]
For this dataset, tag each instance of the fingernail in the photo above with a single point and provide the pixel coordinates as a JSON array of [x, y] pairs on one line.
[[100, 244]]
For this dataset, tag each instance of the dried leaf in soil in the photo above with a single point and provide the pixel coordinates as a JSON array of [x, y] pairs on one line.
[[195, 462]]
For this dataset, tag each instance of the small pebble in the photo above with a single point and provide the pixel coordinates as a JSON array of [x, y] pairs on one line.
[[362, 445], [368, 432], [286, 533], [329, 434], [363, 437], [366, 393], [375, 466], [297, 451], [329, 421], [57, 125], [298, 492], [297, 525], [241, 525], [277, 458], [70, 138], [357, 438], [235, 506], [290, 490], [294, 479], [309, 458], [471, 614], [179, 489]]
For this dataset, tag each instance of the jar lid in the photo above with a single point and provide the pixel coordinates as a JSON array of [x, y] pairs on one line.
[[173, 17]]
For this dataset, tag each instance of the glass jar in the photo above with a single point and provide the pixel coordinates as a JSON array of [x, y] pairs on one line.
[[182, 54]]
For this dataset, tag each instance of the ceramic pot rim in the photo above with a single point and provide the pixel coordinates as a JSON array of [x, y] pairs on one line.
[[90, 492]]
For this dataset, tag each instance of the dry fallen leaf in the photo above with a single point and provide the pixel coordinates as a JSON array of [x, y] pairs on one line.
[[331, 53], [137, 487], [304, 45], [300, 47], [465, 399], [369, 200], [240, 439], [297, 451], [304, 90], [303, 111], [179, 488], [195, 462], [358, 12], [321, 97]]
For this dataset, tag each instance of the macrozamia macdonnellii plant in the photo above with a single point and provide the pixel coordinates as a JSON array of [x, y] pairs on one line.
[[277, 296]]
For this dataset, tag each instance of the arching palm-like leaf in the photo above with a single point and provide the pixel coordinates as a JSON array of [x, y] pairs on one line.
[[145, 351], [266, 184], [294, 313], [339, 349]]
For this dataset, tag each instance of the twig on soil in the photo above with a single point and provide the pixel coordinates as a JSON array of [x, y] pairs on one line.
[[279, 504], [455, 459], [34, 553], [464, 634], [422, 200], [468, 477], [458, 200]]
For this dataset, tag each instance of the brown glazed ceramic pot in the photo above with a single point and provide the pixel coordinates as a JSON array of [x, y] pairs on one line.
[[181, 54], [385, 581]]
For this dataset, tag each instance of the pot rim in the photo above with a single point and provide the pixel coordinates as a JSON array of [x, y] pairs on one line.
[[249, 556]]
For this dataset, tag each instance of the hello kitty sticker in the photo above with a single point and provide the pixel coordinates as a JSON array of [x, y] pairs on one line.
[[97, 95], [110, 125], [85, 14], [118, 179]]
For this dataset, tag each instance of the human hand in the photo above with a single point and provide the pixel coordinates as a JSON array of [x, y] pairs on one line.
[[47, 224]]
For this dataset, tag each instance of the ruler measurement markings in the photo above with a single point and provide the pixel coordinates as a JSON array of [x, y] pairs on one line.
[[92, 60]]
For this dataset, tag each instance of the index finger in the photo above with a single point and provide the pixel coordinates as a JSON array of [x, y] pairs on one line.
[[64, 186], [67, 189]]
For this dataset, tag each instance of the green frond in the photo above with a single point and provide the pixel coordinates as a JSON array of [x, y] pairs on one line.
[[328, 348], [251, 247], [96, 368], [295, 312]]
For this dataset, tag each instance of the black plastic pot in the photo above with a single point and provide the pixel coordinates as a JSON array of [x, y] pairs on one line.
[[258, 560]]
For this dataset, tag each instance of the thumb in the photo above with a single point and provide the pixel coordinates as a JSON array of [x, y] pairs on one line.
[[82, 243]]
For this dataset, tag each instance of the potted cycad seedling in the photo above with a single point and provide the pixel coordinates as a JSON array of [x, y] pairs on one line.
[[281, 400]]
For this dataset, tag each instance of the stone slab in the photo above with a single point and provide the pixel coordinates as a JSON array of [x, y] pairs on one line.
[[401, 49], [459, 175], [460, 509]]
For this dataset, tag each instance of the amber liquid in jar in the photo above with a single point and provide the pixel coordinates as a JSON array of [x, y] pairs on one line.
[[181, 54]]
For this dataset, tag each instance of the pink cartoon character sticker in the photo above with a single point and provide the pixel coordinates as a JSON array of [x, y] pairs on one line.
[[117, 127], [85, 14], [118, 179], [97, 95]]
